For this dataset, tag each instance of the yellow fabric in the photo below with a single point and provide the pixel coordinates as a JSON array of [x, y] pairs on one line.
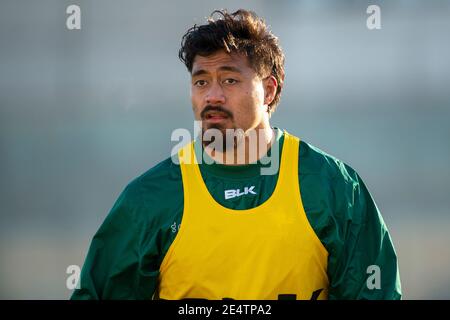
[[257, 253]]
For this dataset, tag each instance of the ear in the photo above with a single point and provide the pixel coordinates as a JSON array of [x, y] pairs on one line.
[[270, 85]]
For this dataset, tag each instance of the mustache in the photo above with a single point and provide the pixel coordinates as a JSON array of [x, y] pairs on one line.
[[209, 108]]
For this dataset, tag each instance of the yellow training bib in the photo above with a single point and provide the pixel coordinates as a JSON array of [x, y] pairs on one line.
[[266, 252]]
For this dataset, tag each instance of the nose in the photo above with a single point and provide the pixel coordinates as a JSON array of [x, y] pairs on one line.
[[215, 95]]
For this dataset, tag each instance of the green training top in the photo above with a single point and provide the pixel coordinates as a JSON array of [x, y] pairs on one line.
[[125, 254]]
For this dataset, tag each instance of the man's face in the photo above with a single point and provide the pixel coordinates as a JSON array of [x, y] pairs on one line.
[[227, 93]]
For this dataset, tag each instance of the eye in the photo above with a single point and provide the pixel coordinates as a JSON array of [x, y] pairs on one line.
[[199, 83], [230, 81]]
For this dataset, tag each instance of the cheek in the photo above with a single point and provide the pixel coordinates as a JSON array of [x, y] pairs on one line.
[[195, 102], [254, 92], [258, 94], [254, 101], [251, 107]]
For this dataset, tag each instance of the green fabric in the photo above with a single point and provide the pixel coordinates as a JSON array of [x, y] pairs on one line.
[[125, 254]]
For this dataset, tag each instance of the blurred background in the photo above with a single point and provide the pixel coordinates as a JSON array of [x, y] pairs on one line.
[[82, 112]]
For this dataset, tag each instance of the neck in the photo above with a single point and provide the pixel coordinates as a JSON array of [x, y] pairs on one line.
[[249, 148]]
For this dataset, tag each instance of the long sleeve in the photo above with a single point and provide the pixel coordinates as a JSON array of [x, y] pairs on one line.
[[112, 266], [366, 267]]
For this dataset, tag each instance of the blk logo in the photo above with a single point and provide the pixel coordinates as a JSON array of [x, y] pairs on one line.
[[233, 193]]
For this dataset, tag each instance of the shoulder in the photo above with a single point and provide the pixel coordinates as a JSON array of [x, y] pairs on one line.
[[315, 161], [157, 178], [155, 194], [328, 184]]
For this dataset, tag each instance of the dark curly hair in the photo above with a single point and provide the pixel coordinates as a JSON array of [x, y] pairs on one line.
[[241, 32]]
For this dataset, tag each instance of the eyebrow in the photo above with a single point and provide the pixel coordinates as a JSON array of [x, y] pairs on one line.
[[223, 68]]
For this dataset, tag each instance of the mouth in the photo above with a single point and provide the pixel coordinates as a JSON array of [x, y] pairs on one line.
[[215, 117]]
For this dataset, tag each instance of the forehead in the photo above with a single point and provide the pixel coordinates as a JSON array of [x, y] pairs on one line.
[[221, 59]]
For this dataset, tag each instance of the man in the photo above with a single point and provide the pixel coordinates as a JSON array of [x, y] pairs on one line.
[[219, 228]]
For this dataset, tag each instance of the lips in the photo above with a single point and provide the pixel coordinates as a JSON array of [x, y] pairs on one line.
[[215, 116]]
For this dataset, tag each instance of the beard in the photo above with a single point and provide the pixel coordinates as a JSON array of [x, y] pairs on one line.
[[220, 138], [215, 135], [218, 135]]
